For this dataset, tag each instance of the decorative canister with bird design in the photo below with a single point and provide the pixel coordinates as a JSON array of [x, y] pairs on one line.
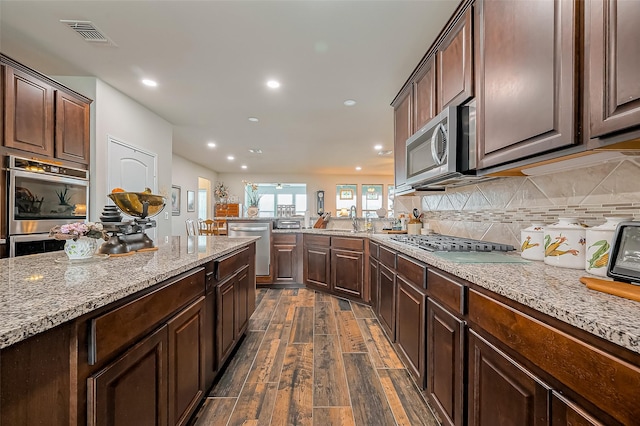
[[565, 243], [599, 242], [532, 242]]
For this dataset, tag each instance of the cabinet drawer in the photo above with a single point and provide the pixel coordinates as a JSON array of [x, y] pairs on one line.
[[413, 271], [608, 382], [373, 249], [116, 329], [317, 240], [448, 291], [387, 257], [284, 239], [347, 243], [226, 266]]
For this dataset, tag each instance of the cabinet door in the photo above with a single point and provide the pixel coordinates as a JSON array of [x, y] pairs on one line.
[[455, 64], [445, 363], [317, 266], [209, 330], [285, 263], [403, 128], [347, 272], [28, 113], [387, 301], [243, 312], [525, 78], [226, 301], [502, 392], [186, 362], [132, 390], [374, 286], [613, 63], [424, 93], [72, 129], [566, 413], [410, 327]]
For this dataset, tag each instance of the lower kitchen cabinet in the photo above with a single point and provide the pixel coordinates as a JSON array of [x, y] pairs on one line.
[[244, 310], [132, 390], [387, 301], [502, 392], [226, 297], [347, 268], [374, 286], [445, 363], [287, 254], [317, 261], [410, 326]]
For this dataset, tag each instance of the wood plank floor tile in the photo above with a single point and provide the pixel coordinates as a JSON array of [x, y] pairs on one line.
[[284, 311], [294, 401], [255, 404], [305, 297], [322, 297], [333, 416], [215, 411], [260, 293], [290, 292], [329, 381], [264, 311], [382, 353], [368, 400], [230, 384], [362, 311], [406, 402], [302, 325], [268, 363], [324, 321], [340, 304], [351, 339]]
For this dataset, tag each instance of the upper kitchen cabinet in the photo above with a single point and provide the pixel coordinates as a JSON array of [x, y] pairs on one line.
[[424, 93], [403, 128], [42, 117], [455, 63], [526, 77], [613, 61]]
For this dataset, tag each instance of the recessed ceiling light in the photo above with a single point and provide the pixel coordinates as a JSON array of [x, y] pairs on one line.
[[377, 147], [244, 166], [149, 83], [358, 168], [255, 150], [349, 102], [254, 119], [230, 157], [211, 144], [273, 84]]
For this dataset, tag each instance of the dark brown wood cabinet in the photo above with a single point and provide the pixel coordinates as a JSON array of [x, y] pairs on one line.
[[209, 327], [424, 93], [287, 258], [374, 283], [387, 300], [526, 78], [445, 363], [72, 129], [613, 54], [317, 261], [347, 267], [133, 388], [226, 297], [186, 362], [566, 413], [455, 63], [410, 326], [500, 390], [244, 311], [403, 128]]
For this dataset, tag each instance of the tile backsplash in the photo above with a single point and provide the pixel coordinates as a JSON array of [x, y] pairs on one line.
[[497, 210]]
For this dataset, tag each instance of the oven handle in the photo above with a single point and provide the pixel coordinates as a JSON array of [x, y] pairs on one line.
[[30, 237], [49, 178]]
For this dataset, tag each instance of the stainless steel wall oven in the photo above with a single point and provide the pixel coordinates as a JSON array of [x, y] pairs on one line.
[[41, 195]]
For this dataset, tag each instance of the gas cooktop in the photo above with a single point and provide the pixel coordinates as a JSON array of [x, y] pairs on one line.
[[437, 242]]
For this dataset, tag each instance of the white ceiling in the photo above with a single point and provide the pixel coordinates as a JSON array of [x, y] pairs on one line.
[[212, 59]]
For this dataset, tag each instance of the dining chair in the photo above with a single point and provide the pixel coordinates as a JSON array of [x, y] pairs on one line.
[[208, 227], [192, 229]]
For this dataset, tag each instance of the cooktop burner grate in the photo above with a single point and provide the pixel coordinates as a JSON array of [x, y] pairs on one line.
[[437, 242]]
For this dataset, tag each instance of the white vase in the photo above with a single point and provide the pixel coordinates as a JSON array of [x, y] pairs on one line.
[[599, 242], [252, 211], [532, 242], [82, 248], [564, 244]]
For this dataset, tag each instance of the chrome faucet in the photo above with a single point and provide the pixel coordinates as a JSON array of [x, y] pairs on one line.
[[354, 219]]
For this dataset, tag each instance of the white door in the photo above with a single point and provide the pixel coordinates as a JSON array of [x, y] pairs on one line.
[[131, 169]]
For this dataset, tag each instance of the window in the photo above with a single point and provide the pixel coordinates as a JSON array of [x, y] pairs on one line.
[[346, 196], [275, 194], [372, 200], [202, 204]]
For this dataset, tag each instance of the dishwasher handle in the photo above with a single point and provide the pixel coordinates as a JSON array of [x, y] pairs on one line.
[[256, 228]]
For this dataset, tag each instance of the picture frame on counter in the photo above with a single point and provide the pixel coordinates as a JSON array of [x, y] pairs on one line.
[[191, 201], [175, 200]]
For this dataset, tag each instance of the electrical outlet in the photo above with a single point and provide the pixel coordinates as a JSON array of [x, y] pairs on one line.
[[166, 238], [166, 215]]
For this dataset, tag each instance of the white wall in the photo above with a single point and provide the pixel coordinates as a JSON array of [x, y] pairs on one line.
[[185, 174]]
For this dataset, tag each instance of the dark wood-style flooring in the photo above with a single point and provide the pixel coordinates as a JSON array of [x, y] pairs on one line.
[[313, 359]]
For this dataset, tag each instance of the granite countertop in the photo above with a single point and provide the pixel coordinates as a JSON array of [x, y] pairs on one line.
[[554, 291], [37, 293]]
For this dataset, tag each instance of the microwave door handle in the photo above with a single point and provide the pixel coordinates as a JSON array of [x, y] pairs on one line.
[[434, 139]]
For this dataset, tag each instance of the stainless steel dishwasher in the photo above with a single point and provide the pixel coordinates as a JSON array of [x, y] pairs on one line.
[[263, 245]]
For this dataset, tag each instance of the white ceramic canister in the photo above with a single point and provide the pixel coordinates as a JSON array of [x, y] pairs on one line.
[[565, 243], [532, 242], [599, 242]]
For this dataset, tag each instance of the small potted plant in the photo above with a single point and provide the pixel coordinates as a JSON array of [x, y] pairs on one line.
[[81, 238], [253, 198]]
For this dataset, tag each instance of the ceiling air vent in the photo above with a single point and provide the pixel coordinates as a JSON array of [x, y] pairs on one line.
[[89, 32]]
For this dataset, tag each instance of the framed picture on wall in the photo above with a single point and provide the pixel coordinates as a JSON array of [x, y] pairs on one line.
[[191, 201], [346, 194], [175, 200]]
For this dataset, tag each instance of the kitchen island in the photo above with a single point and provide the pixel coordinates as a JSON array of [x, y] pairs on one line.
[[139, 337]]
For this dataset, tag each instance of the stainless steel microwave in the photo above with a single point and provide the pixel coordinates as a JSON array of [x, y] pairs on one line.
[[443, 152]]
